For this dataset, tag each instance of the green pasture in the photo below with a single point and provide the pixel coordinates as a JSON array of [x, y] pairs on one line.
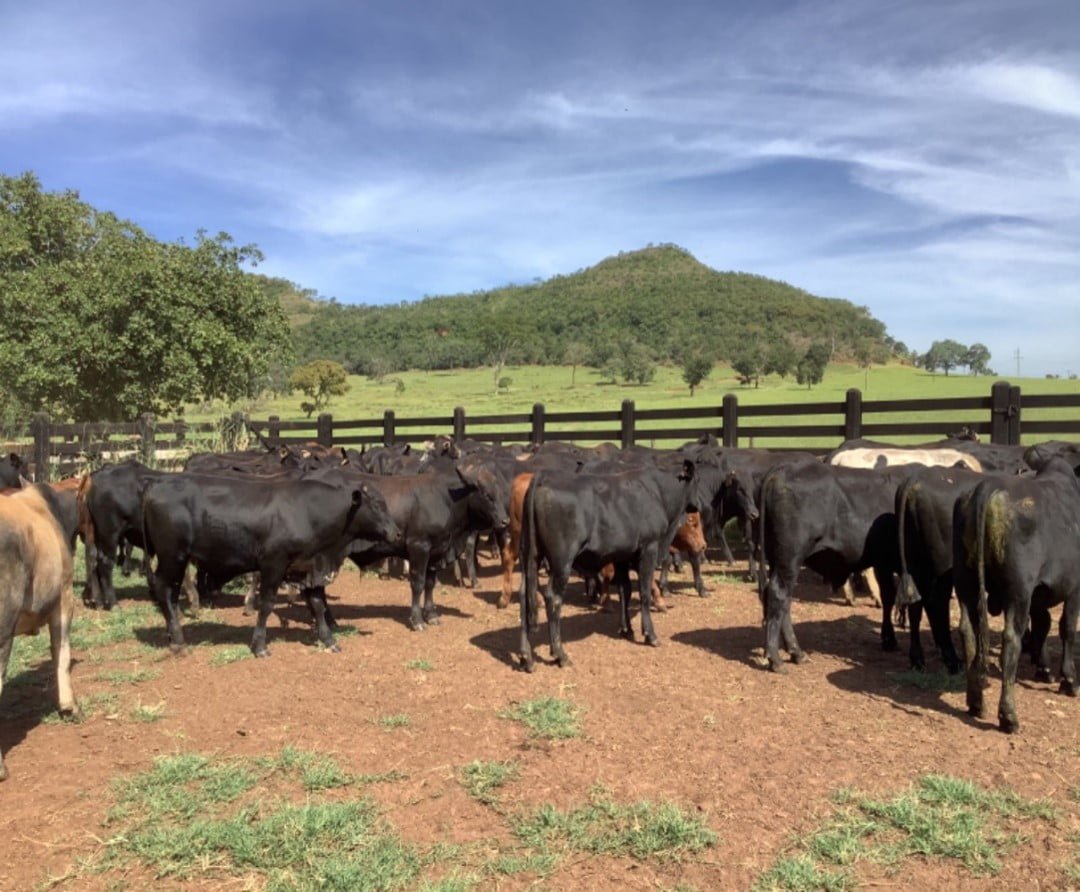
[[434, 394]]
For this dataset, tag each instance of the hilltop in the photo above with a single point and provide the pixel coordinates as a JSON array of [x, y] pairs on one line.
[[660, 296]]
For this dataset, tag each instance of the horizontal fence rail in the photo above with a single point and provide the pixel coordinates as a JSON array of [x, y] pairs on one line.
[[59, 449]]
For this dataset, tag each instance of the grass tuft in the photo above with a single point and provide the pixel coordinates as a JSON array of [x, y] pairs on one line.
[[420, 665], [934, 682], [390, 722], [481, 779], [547, 717], [230, 653], [128, 676], [939, 817], [148, 712]]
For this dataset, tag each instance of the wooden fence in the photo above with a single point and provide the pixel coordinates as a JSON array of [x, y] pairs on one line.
[[62, 448]]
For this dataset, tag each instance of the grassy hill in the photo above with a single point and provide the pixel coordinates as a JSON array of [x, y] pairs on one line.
[[661, 297]]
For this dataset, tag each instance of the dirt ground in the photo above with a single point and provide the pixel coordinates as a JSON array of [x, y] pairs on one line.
[[697, 721]]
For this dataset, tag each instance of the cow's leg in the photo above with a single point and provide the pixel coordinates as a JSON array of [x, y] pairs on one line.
[[1016, 619], [509, 556], [553, 597], [251, 596], [884, 594], [875, 586], [646, 569], [431, 615], [725, 549], [622, 580], [7, 635], [937, 612], [60, 644], [106, 560], [316, 601], [528, 623], [753, 556], [665, 567], [848, 588], [973, 656], [1040, 632], [699, 582], [418, 561], [1067, 628], [470, 559], [190, 590], [778, 617], [164, 584], [91, 595], [127, 563], [269, 581], [915, 652]]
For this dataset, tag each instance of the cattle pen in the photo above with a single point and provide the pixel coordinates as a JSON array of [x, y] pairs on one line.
[[62, 448]]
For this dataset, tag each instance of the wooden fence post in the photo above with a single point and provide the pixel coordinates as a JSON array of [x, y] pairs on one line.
[[273, 431], [730, 421], [1014, 415], [41, 428], [853, 414], [324, 430], [181, 432], [147, 426], [999, 413], [537, 434], [459, 424], [626, 424], [388, 427]]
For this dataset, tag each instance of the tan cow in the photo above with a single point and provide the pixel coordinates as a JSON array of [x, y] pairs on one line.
[[877, 457], [35, 586]]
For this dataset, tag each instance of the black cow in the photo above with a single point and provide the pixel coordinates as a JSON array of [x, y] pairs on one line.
[[1015, 542], [584, 521], [234, 525], [112, 499], [924, 518], [837, 521], [13, 471], [435, 512]]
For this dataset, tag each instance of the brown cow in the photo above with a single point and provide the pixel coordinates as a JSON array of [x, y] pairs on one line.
[[35, 585], [512, 545]]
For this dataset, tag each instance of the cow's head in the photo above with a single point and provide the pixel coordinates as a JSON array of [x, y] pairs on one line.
[[489, 489], [370, 516]]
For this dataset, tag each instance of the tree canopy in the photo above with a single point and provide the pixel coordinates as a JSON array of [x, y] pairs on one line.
[[103, 322]]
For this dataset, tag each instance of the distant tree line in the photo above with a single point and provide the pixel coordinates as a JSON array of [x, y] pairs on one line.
[[948, 354]]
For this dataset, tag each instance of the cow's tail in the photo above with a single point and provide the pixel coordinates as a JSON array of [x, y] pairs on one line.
[[763, 500], [530, 561], [88, 534], [908, 593], [983, 496]]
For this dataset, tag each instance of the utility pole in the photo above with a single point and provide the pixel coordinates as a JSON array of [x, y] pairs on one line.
[[1018, 357]]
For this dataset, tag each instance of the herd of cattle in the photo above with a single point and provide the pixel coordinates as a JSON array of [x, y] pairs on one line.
[[1000, 525]]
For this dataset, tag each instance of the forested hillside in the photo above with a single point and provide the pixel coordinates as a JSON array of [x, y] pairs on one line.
[[661, 297]]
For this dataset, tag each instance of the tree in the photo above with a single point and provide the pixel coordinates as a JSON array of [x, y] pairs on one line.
[[869, 352], [780, 358], [810, 370], [575, 354], [695, 369], [977, 359], [945, 355], [103, 322], [320, 380], [636, 363], [749, 364]]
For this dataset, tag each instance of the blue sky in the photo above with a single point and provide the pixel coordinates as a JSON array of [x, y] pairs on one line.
[[920, 158]]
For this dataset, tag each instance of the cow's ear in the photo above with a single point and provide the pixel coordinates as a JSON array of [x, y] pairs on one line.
[[687, 470], [358, 495], [469, 473], [407, 449], [16, 462]]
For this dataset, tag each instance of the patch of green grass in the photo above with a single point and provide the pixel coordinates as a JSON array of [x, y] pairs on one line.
[[508, 865], [640, 831], [939, 817], [547, 717], [934, 682], [129, 676], [194, 817], [96, 629], [148, 712], [453, 882], [481, 779], [104, 702], [390, 722], [420, 665], [317, 770], [230, 653]]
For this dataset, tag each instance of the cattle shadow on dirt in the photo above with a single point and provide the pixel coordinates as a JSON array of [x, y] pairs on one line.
[[27, 699], [208, 632]]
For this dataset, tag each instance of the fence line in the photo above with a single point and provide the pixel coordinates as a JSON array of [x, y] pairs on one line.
[[57, 447]]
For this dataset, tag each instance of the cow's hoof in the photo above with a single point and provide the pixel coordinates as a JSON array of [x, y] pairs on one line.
[[502, 603], [652, 641], [888, 644], [778, 668], [798, 656], [526, 664], [1068, 688], [976, 710], [1008, 724], [433, 619], [333, 647], [262, 653], [563, 660], [1043, 674], [70, 714], [704, 593], [628, 634], [177, 650], [416, 625]]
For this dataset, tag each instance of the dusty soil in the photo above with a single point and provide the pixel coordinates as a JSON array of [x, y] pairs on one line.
[[697, 721]]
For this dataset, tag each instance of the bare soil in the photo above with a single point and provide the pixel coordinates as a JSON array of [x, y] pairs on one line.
[[698, 721]]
